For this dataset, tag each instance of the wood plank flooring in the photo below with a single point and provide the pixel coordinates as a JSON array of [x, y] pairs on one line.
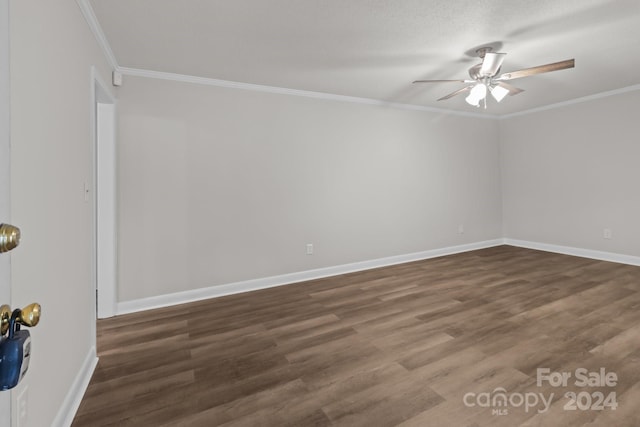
[[398, 346]]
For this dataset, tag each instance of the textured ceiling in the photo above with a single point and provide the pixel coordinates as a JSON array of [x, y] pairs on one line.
[[376, 48]]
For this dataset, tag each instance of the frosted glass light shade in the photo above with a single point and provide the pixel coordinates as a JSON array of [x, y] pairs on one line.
[[498, 92], [478, 93]]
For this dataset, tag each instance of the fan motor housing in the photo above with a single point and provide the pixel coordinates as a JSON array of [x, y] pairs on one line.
[[474, 72]]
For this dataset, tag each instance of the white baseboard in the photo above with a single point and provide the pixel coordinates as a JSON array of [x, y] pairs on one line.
[[568, 250], [72, 401], [286, 279], [167, 300]]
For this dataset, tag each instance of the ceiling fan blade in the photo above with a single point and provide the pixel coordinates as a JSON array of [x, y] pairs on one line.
[[440, 81], [512, 89], [491, 64], [457, 92], [569, 63]]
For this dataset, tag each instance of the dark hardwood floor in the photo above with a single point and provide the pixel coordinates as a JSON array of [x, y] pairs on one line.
[[418, 344]]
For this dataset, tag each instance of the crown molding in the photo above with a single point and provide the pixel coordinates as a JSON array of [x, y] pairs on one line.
[[573, 101], [96, 29], [136, 72]]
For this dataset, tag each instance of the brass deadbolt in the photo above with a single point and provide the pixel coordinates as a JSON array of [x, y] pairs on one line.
[[9, 237], [5, 316]]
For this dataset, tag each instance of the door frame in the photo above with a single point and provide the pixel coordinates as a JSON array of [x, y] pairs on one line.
[[103, 149]]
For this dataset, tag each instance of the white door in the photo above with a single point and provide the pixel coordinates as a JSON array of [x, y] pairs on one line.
[[5, 273], [5, 162]]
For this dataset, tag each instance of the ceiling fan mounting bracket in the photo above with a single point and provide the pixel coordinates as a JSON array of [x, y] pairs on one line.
[[476, 71], [483, 50]]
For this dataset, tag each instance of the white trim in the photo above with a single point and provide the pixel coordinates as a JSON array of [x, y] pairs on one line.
[[135, 72], [96, 29], [568, 250], [286, 279], [167, 300], [573, 101], [72, 400]]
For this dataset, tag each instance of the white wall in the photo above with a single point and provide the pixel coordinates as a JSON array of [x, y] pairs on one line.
[[221, 185], [570, 172], [52, 50]]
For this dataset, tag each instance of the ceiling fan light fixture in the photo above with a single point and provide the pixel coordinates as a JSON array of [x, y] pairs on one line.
[[477, 94], [472, 101], [479, 91], [498, 92]]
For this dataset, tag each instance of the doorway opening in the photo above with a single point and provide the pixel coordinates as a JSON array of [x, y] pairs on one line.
[[104, 198]]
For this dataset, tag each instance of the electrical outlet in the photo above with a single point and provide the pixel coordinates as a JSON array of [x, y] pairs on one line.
[[607, 234], [461, 229], [309, 248], [21, 403]]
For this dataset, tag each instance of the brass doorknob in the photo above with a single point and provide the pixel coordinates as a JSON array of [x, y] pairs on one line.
[[9, 237], [30, 315]]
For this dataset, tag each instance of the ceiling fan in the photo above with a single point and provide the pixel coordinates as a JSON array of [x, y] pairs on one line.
[[484, 77]]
